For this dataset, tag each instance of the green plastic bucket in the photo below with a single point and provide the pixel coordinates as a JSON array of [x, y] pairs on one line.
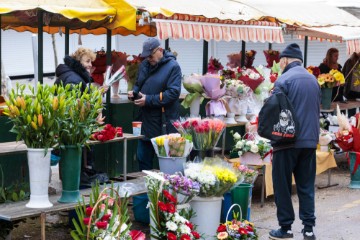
[[242, 195]]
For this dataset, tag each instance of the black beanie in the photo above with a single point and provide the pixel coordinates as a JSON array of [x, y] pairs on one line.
[[292, 51]]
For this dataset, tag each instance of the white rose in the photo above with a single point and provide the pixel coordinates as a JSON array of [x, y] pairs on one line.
[[185, 229], [249, 143], [240, 153], [171, 226], [237, 136], [239, 144], [254, 148]]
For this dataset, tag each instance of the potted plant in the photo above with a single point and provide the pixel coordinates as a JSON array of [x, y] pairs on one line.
[[37, 118], [80, 120]]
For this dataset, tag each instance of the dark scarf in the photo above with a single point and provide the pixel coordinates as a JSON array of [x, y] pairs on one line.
[[77, 67]]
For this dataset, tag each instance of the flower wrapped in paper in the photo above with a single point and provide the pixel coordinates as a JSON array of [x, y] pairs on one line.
[[250, 77], [115, 77], [248, 173], [214, 176], [249, 58], [214, 88], [214, 66], [172, 145], [271, 56], [193, 85]]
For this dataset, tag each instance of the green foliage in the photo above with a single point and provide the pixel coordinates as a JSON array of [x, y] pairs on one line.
[[13, 193]]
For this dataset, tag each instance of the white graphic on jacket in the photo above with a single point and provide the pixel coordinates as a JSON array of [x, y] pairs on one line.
[[286, 126]]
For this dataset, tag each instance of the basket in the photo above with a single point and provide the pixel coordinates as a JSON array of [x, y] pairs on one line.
[[227, 215]]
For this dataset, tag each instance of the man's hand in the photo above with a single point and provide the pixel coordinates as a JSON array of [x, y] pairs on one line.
[[141, 101], [131, 95]]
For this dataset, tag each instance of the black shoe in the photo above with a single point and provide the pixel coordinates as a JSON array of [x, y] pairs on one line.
[[308, 235], [281, 234]]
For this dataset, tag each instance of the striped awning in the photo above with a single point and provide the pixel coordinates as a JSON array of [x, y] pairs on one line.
[[353, 46], [255, 31]]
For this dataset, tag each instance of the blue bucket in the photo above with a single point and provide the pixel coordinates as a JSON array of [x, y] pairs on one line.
[[141, 213]]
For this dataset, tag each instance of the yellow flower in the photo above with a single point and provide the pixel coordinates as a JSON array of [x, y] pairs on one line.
[[321, 81], [309, 70], [357, 82], [160, 141]]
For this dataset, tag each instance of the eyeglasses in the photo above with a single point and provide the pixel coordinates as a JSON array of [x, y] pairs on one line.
[[152, 54]]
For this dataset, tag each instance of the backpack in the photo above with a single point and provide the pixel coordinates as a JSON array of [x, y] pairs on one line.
[[277, 120]]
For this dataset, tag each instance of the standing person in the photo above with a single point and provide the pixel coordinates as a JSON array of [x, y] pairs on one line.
[[298, 158], [157, 87], [351, 73], [331, 62]]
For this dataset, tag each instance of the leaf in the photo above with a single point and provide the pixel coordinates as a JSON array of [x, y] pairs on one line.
[[74, 235], [15, 197]]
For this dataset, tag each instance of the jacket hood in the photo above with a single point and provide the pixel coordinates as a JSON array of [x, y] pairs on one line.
[[72, 64]]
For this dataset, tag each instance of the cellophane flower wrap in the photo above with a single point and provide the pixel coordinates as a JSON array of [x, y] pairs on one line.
[[237, 230], [214, 176], [248, 173], [271, 56], [172, 145], [104, 218], [243, 145], [132, 68], [168, 222], [182, 187], [205, 132], [193, 85], [214, 89]]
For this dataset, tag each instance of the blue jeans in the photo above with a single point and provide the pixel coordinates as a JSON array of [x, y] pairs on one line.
[[302, 163], [145, 155]]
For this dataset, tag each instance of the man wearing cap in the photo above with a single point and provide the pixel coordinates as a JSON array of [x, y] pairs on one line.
[[156, 92], [298, 158]]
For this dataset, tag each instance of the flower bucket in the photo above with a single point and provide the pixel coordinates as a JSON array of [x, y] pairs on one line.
[[70, 174], [242, 195], [208, 211], [354, 162], [39, 171], [250, 158], [326, 94], [170, 165]]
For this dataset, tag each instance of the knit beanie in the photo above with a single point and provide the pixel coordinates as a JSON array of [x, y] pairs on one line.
[[292, 51]]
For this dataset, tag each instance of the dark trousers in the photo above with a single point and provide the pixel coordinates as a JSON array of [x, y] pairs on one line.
[[145, 154], [302, 163]]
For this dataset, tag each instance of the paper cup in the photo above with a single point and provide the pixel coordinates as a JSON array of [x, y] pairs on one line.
[[136, 128]]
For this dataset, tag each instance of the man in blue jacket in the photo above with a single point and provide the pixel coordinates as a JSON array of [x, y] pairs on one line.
[[298, 158], [156, 92]]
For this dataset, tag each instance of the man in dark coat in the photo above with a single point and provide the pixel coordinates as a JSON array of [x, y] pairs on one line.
[[156, 92], [298, 158]]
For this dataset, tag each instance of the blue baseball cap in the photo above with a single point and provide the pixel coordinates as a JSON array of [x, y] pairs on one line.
[[148, 46]]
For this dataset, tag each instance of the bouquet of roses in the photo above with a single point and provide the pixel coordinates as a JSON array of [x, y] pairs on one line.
[[106, 217], [243, 145], [236, 88], [249, 174], [214, 66], [271, 57], [249, 58], [250, 77], [167, 221], [172, 145], [205, 132], [214, 176], [107, 133], [194, 86]]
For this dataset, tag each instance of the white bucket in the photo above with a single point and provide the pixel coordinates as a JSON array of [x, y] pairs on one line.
[[208, 211], [170, 165]]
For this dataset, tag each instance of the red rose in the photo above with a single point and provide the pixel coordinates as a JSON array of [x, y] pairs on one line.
[[170, 208], [196, 235], [169, 196], [162, 206], [86, 221], [221, 228], [242, 231], [171, 236], [189, 224], [101, 225], [106, 217], [185, 237], [107, 126], [249, 228], [88, 211], [137, 235]]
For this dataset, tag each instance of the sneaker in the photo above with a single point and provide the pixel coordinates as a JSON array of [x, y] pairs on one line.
[[308, 235], [281, 234]]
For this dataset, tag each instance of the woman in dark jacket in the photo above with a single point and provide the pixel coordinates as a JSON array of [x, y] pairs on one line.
[[331, 62], [351, 73], [76, 68]]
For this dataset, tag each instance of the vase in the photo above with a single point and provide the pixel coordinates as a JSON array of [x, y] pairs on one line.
[[70, 173], [195, 107], [230, 118], [326, 94], [354, 162], [208, 212], [39, 172]]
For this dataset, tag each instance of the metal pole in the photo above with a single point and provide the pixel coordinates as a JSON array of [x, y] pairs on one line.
[[108, 63], [270, 46], [0, 56], [205, 56], [305, 50], [67, 40], [167, 44], [243, 49], [40, 45], [125, 159]]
